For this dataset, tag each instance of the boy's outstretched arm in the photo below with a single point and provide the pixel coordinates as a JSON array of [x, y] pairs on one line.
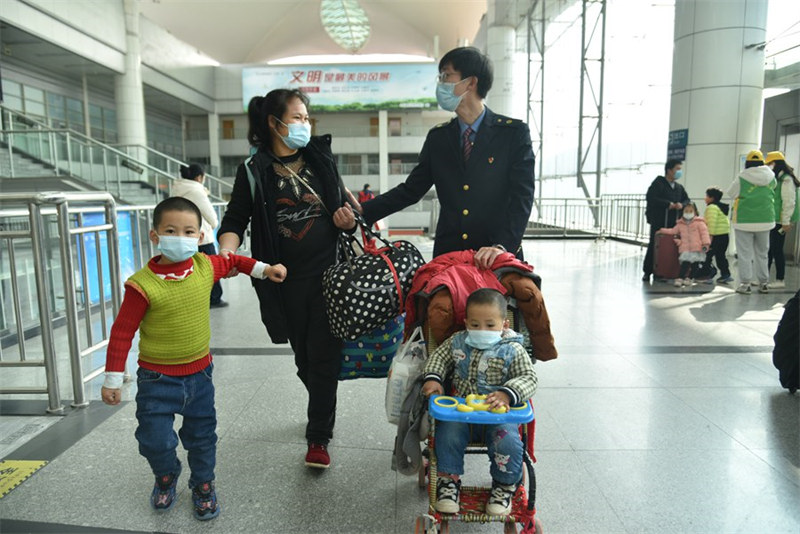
[[224, 264]]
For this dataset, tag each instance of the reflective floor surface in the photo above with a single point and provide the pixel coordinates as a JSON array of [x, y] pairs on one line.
[[663, 413]]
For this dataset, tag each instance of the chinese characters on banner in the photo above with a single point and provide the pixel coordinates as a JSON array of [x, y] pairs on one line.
[[349, 87]]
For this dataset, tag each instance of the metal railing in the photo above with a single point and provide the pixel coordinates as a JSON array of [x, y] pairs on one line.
[[71, 153], [610, 216], [218, 188], [33, 225]]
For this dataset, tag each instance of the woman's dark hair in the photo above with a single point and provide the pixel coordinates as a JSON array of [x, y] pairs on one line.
[[366, 186], [714, 193], [750, 164], [175, 204], [488, 295], [782, 167], [671, 163], [259, 134], [470, 61], [192, 171]]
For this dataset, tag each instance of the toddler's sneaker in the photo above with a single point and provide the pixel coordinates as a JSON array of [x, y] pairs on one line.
[[777, 284], [726, 280], [163, 496], [317, 456], [499, 502], [688, 282], [763, 288], [678, 282], [447, 491], [744, 289], [205, 501]]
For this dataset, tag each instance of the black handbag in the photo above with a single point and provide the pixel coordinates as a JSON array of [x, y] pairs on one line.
[[363, 292]]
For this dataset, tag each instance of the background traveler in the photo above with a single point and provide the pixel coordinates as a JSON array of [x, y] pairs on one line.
[[787, 212]]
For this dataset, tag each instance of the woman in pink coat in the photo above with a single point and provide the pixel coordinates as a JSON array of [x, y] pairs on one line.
[[691, 235]]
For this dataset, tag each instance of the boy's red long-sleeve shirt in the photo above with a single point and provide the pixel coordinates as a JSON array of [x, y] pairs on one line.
[[134, 306]]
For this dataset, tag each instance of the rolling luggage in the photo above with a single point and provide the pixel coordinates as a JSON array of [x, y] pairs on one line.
[[786, 354], [665, 257]]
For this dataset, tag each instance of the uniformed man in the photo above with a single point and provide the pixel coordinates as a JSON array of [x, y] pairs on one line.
[[481, 164]]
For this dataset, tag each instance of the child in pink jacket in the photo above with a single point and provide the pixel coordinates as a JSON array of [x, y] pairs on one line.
[[691, 235]]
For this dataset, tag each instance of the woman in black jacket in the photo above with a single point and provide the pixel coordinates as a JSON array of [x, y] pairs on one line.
[[293, 198]]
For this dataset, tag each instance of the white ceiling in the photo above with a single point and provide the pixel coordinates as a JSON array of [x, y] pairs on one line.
[[255, 31]]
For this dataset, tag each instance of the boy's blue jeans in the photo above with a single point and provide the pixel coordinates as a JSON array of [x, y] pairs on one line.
[[503, 441], [159, 398]]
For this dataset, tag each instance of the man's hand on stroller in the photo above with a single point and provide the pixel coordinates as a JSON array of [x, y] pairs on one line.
[[432, 387], [498, 399]]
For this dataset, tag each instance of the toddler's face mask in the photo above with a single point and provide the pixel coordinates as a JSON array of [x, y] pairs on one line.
[[483, 339]]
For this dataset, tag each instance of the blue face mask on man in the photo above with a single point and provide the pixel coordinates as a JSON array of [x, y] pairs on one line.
[[445, 95], [299, 134], [177, 248], [678, 174], [483, 339]]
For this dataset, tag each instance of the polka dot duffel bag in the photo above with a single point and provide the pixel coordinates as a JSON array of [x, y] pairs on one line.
[[370, 356], [363, 292]]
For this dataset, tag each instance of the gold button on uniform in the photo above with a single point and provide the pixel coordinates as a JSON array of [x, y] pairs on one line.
[[465, 212], [464, 236], [466, 187]]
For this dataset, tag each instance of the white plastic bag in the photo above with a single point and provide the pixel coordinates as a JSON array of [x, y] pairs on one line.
[[407, 365]]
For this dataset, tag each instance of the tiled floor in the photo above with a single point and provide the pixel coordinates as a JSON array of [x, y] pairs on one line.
[[663, 413]]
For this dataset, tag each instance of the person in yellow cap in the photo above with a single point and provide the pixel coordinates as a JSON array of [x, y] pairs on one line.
[[787, 212], [753, 218]]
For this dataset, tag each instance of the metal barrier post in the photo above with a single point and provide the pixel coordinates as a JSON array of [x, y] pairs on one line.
[[71, 308], [45, 317]]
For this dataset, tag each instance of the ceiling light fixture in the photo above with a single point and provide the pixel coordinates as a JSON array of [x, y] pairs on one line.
[[346, 22]]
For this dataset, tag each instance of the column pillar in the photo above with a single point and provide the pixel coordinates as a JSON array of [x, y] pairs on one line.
[[131, 127], [383, 154], [717, 82], [500, 45], [213, 144]]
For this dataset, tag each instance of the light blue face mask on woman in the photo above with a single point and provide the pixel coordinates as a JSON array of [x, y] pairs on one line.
[[299, 134], [445, 95], [177, 248], [483, 339]]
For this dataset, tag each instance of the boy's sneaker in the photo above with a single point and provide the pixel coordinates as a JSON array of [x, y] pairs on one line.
[[744, 289], [763, 288], [447, 491], [678, 282], [163, 496], [777, 284], [499, 502], [688, 282], [205, 501], [317, 456], [725, 280]]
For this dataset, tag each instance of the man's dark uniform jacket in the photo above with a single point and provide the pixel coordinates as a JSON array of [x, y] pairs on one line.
[[484, 201]]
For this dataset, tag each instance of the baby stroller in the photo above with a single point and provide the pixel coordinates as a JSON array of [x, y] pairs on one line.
[[473, 498]]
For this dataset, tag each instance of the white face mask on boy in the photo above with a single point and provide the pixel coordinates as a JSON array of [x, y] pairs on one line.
[[483, 339]]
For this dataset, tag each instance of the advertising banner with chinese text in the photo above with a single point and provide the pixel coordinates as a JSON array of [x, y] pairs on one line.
[[349, 87]]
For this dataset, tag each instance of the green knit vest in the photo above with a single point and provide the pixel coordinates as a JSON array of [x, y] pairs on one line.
[[779, 200], [175, 329], [755, 203]]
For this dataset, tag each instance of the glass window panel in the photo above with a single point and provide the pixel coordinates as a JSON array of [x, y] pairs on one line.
[[13, 102], [11, 88]]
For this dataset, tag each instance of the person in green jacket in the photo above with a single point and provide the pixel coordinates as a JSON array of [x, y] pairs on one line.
[[716, 216], [787, 212], [753, 218]]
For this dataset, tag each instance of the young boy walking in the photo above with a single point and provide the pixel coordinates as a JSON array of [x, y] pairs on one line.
[[167, 302], [716, 216]]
